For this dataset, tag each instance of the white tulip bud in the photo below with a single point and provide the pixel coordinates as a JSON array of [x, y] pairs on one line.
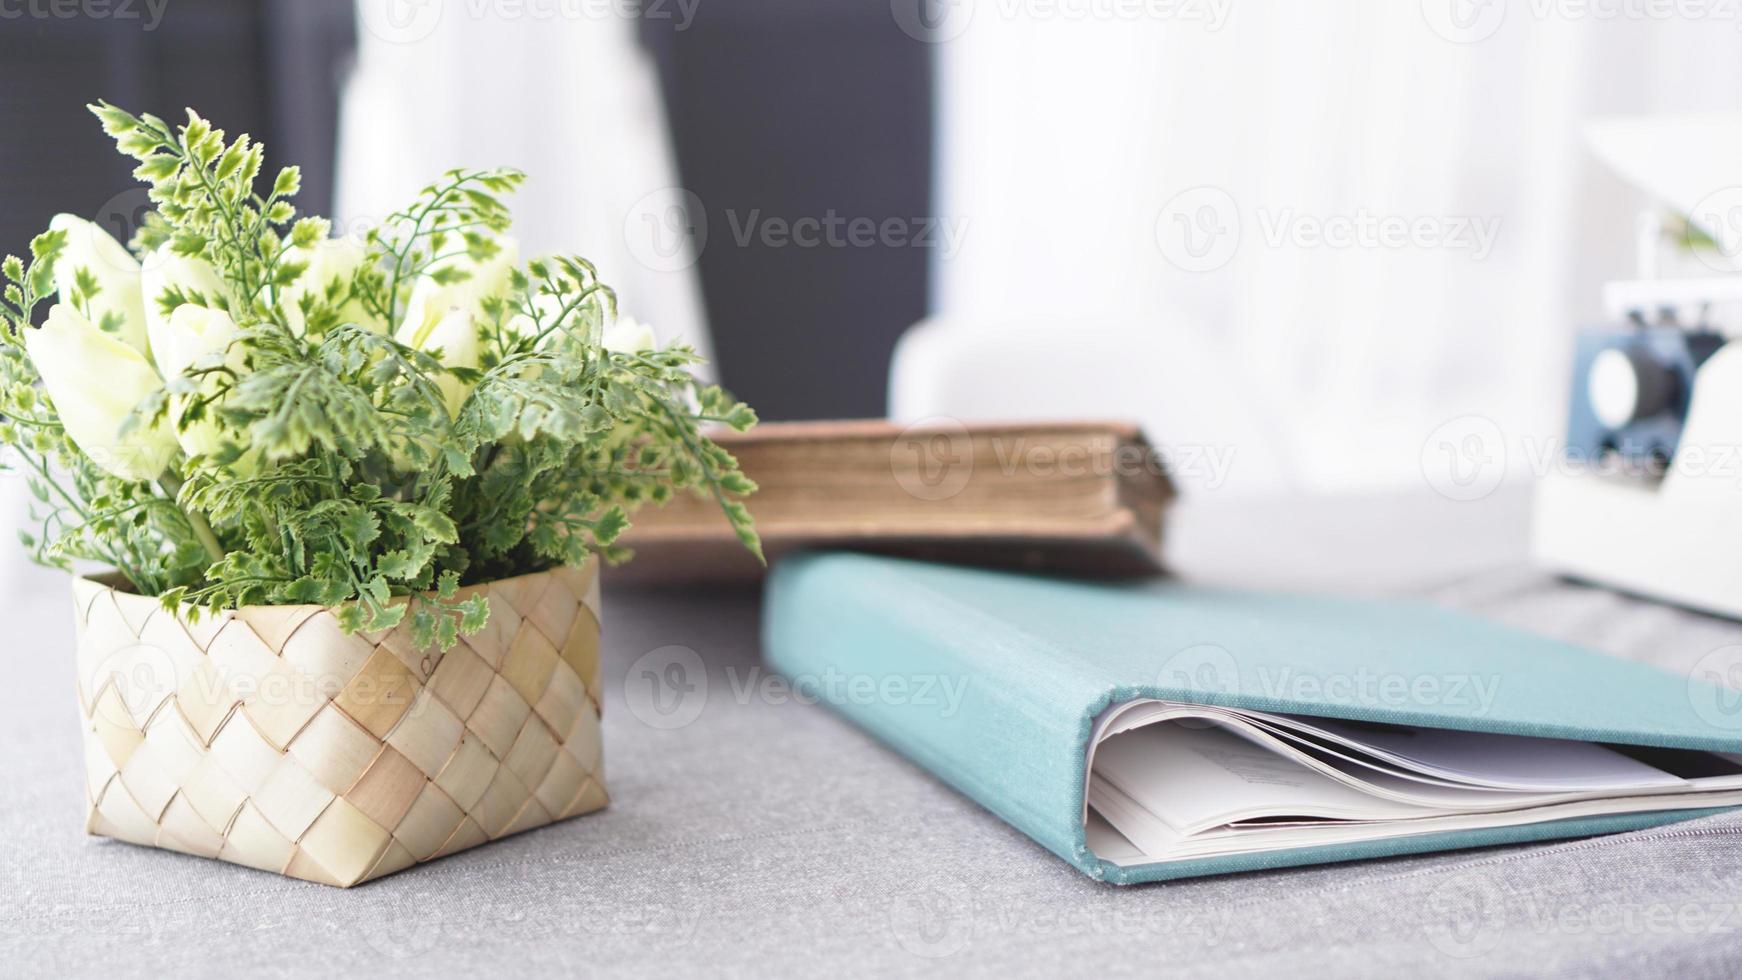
[[431, 301], [165, 271], [96, 381], [192, 334], [457, 336], [331, 265], [117, 305], [628, 336]]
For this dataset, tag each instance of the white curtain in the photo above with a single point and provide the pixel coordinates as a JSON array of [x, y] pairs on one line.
[[560, 90], [1064, 140]]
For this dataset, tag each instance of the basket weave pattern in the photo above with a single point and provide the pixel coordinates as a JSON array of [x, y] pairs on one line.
[[265, 736]]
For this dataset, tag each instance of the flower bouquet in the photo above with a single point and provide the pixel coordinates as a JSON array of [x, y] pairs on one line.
[[353, 491]]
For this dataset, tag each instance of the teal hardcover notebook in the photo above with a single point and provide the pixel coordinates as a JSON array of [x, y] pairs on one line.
[[1003, 684]]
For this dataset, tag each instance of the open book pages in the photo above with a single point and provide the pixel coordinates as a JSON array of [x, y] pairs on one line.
[[1170, 782]]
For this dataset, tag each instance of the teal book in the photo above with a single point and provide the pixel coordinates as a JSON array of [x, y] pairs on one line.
[[1144, 731]]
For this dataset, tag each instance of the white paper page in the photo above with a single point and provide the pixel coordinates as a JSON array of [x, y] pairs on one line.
[[1322, 772], [1505, 761], [1443, 796], [1193, 779], [1141, 830], [1223, 843], [1364, 772], [1325, 748]]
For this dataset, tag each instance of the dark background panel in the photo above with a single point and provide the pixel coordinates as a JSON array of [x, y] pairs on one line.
[[271, 68], [788, 112], [779, 111]]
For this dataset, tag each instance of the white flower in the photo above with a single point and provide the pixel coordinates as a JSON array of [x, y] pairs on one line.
[[628, 336], [164, 271], [331, 264], [118, 305], [96, 381], [457, 336], [431, 301], [192, 334]]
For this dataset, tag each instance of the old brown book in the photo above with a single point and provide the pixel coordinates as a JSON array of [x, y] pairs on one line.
[[1079, 497]]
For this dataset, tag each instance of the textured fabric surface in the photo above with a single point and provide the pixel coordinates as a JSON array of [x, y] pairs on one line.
[[752, 835]]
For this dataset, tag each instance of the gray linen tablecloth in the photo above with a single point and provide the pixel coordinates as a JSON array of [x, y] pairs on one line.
[[769, 838]]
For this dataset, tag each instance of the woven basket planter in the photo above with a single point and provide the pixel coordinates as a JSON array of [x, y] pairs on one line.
[[267, 737]]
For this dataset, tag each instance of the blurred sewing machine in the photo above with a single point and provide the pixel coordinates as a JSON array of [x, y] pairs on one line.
[[1646, 493]]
